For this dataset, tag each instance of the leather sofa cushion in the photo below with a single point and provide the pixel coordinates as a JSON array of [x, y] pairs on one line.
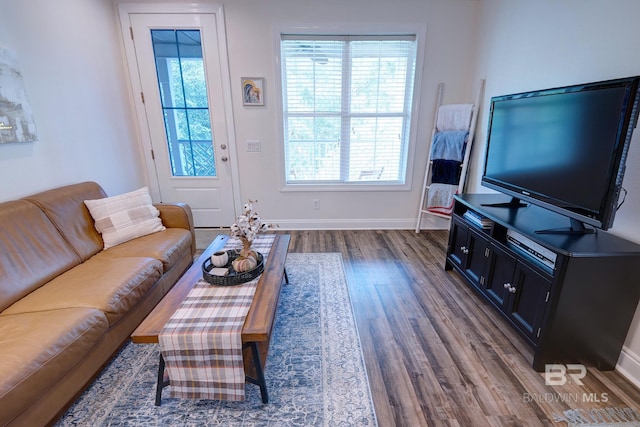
[[34, 355], [112, 285], [178, 215], [33, 251], [66, 209], [169, 246]]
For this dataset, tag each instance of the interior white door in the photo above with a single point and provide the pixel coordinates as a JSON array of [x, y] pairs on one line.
[[180, 72]]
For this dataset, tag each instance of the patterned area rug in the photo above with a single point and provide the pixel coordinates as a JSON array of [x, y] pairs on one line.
[[315, 371]]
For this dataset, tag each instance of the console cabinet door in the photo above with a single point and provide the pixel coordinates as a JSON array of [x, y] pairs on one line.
[[477, 258], [468, 250], [457, 243], [501, 276], [528, 302]]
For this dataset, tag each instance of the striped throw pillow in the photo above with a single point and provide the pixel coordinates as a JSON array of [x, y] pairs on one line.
[[125, 217]]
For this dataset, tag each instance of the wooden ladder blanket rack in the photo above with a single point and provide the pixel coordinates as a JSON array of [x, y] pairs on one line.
[[448, 159]]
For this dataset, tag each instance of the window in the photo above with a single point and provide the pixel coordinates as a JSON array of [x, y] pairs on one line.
[[183, 93], [347, 108]]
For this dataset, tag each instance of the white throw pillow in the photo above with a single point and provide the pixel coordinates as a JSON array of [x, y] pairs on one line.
[[125, 217]]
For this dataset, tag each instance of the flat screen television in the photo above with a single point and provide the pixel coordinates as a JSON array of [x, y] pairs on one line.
[[563, 149]]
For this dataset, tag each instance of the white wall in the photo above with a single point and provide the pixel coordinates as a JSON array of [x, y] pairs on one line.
[[87, 111], [527, 45], [250, 33], [70, 57]]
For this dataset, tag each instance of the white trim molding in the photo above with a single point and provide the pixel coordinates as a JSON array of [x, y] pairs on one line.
[[629, 366], [354, 224]]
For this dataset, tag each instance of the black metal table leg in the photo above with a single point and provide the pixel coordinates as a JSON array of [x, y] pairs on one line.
[[161, 382], [260, 381], [286, 277]]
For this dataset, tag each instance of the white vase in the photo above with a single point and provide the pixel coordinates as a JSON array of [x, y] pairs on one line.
[[220, 258]]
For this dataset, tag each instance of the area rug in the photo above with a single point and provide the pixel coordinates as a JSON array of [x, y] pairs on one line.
[[600, 417], [315, 371]]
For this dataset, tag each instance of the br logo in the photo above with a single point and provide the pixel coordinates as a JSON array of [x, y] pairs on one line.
[[556, 374]]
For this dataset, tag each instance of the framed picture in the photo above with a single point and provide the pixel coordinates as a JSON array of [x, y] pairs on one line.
[[16, 118], [252, 91]]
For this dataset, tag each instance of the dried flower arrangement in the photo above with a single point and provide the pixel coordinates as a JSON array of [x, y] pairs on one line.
[[246, 228]]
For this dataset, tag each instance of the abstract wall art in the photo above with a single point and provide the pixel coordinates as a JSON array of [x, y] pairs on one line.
[[16, 118]]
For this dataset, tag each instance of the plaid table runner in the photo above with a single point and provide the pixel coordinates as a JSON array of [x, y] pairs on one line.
[[201, 343]]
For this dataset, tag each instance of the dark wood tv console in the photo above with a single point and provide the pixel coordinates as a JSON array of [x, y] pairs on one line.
[[576, 309]]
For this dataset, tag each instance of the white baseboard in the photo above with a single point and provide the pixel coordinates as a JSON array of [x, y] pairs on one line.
[[360, 224], [342, 224], [629, 366]]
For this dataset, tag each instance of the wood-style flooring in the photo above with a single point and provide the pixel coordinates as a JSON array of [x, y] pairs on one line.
[[436, 354]]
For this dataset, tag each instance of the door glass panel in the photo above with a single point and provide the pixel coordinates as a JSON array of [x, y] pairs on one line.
[[183, 94]]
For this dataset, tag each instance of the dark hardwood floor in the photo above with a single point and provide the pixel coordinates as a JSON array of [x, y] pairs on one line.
[[436, 354]]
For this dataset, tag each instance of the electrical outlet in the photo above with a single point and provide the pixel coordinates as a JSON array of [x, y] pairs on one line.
[[316, 203], [253, 146]]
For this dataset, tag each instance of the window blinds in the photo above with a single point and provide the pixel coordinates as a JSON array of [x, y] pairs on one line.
[[347, 107]]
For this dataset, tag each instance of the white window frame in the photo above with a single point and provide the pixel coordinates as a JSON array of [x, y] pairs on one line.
[[374, 30]]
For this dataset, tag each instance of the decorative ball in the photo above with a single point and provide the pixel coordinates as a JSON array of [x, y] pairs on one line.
[[253, 254], [242, 264]]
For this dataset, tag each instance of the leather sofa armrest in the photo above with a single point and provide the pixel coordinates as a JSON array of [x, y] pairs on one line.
[[178, 215]]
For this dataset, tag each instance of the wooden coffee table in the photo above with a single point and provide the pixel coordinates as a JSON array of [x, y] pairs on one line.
[[256, 332]]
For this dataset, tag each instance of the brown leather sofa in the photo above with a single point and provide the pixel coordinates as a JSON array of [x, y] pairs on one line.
[[66, 305]]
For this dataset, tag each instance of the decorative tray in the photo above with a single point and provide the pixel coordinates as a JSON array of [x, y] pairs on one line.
[[232, 277]]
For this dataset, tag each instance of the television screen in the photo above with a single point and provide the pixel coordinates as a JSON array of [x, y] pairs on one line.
[[563, 148]]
